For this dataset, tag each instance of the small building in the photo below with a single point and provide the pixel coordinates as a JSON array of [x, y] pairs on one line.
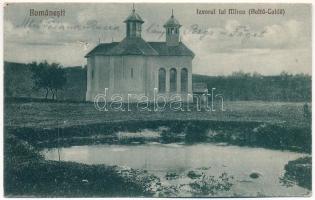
[[134, 66], [199, 90]]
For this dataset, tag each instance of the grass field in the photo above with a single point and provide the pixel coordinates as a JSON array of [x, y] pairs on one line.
[[62, 114]]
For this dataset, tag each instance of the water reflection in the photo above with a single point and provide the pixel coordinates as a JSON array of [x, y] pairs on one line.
[[180, 158]]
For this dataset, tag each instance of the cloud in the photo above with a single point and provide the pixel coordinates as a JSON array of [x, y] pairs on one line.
[[283, 35], [235, 46], [234, 35], [268, 62], [26, 44], [232, 25], [14, 32]]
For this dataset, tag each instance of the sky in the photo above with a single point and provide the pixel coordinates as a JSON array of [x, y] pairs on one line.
[[222, 43]]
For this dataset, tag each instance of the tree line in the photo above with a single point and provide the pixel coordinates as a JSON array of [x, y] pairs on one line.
[[246, 86]]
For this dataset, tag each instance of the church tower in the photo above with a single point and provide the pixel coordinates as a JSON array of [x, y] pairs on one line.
[[172, 31], [133, 25]]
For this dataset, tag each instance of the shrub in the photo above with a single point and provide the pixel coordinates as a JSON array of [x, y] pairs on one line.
[[298, 171], [208, 185]]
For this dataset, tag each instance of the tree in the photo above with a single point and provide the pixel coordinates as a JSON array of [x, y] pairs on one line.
[[58, 78], [50, 77]]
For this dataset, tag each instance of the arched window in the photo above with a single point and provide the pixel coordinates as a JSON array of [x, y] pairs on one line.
[[184, 80], [162, 80], [173, 80]]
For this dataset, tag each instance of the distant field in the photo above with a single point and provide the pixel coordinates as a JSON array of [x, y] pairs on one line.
[[53, 114]]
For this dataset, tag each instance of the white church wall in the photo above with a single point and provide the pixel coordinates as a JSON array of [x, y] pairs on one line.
[[135, 75], [129, 74], [102, 63], [98, 76], [89, 82]]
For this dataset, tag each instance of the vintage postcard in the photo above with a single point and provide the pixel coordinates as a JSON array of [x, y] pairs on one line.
[[157, 100]]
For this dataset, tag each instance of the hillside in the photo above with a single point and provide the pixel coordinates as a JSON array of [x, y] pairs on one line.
[[18, 83], [245, 87]]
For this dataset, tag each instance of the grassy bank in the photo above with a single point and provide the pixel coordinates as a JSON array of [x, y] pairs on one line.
[[274, 136]]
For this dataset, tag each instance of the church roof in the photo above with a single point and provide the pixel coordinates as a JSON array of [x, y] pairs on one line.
[[165, 50], [172, 22], [139, 47], [134, 17], [102, 48], [134, 46]]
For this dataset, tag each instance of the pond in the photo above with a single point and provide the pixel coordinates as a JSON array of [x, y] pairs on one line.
[[210, 159]]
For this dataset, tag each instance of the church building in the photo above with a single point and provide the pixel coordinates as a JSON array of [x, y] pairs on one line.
[[136, 67]]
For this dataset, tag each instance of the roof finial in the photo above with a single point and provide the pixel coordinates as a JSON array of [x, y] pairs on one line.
[[133, 7], [172, 13]]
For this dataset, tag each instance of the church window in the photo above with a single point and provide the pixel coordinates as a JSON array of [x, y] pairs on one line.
[[162, 80], [131, 72], [92, 74], [173, 80], [172, 31], [138, 27], [128, 28], [184, 80]]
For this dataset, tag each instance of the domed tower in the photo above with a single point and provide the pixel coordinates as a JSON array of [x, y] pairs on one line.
[[133, 25], [172, 31]]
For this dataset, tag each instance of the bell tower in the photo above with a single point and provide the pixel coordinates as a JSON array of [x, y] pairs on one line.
[[133, 25], [172, 27]]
